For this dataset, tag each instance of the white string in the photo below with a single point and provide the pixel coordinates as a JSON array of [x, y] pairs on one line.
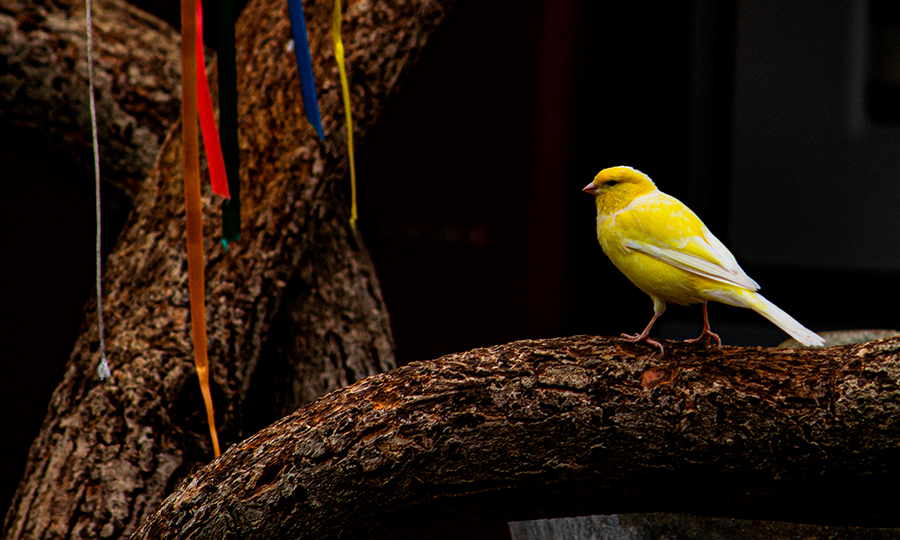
[[103, 369]]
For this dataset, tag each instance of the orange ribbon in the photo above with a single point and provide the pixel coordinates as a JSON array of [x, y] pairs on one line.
[[193, 210]]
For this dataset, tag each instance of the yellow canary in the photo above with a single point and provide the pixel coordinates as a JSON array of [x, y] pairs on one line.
[[664, 249]]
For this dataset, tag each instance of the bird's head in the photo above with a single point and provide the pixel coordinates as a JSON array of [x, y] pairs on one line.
[[615, 187]]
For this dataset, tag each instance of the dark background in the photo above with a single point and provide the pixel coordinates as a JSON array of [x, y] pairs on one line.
[[776, 125]]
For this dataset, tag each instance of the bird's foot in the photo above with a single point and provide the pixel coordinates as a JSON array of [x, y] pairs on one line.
[[705, 336], [636, 338]]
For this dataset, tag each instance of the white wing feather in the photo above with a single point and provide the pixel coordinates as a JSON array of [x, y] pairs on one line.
[[726, 273]]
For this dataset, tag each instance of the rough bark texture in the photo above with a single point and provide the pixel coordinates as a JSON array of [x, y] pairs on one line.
[[570, 426], [296, 297], [44, 81]]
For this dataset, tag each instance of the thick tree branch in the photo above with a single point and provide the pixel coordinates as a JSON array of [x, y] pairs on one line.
[[569, 426]]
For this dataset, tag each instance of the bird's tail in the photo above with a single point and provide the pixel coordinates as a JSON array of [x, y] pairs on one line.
[[759, 304]]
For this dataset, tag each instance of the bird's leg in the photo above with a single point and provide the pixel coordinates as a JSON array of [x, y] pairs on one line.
[[658, 308], [707, 333]]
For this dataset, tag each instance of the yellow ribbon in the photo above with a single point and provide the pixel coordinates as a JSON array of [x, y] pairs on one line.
[[345, 90]]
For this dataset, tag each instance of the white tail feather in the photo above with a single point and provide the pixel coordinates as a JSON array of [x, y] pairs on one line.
[[759, 304]]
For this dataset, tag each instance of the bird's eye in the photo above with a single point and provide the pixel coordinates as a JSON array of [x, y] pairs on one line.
[[611, 183]]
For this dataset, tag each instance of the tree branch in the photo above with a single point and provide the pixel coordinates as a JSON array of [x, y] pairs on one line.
[[568, 426], [44, 81]]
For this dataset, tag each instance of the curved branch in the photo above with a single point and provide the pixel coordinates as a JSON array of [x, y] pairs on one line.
[[568, 426]]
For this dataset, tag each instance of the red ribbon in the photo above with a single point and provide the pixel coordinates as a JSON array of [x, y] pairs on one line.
[[217, 174]]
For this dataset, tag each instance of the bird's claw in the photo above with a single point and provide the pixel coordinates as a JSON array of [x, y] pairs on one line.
[[705, 336], [636, 338]]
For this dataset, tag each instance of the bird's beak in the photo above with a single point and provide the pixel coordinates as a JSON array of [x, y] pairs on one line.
[[590, 188]]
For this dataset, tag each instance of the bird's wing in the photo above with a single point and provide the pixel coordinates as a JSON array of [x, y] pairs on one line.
[[664, 228]]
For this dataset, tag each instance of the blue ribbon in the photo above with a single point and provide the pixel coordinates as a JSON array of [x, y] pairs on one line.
[[304, 65]]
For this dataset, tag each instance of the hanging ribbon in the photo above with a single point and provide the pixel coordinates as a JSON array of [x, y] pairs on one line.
[[304, 65], [208, 119], [228, 122], [345, 90], [193, 210]]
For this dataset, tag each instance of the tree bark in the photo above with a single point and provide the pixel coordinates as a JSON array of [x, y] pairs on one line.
[[294, 309], [569, 426], [44, 81]]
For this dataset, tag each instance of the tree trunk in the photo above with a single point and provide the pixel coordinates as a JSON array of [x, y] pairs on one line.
[[569, 426], [294, 308], [44, 81]]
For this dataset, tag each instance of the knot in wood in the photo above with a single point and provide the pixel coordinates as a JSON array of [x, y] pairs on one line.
[[655, 376]]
